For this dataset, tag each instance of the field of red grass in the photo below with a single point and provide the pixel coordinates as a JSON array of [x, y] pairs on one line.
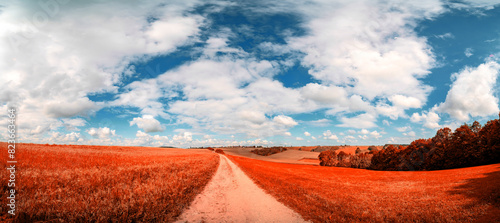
[[333, 194], [105, 184]]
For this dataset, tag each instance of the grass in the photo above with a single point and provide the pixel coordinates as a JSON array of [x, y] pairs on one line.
[[333, 194], [101, 184]]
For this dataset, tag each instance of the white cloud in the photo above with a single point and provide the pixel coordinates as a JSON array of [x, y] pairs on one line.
[[148, 123], [472, 92], [405, 102], [101, 132], [307, 134], [299, 138], [385, 122], [324, 94], [285, 120], [73, 124], [144, 139], [363, 131], [468, 52], [365, 43], [375, 134], [72, 137], [446, 36], [360, 121], [486, 4], [183, 137], [54, 57], [328, 135], [319, 123], [429, 118], [252, 116], [403, 129]]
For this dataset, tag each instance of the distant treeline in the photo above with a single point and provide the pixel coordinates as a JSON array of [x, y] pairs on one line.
[[468, 145], [268, 151]]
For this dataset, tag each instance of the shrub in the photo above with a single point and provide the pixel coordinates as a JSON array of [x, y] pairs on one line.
[[210, 148], [327, 158], [358, 150], [219, 151], [372, 148]]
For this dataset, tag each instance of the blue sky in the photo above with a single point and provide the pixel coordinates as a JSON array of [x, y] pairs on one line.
[[217, 73]]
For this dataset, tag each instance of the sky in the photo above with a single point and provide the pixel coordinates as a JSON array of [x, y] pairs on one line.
[[190, 73]]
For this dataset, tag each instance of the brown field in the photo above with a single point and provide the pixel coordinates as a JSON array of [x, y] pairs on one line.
[[333, 194], [103, 184], [289, 156]]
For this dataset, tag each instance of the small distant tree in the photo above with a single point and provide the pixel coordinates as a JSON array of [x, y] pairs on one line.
[[372, 148], [358, 150]]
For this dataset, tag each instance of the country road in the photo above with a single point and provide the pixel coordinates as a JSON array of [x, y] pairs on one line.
[[231, 196]]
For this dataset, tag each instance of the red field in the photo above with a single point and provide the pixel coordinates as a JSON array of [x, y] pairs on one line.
[[332, 194], [101, 184]]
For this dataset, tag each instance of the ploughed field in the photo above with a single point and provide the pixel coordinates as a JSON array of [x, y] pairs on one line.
[[335, 194], [101, 183]]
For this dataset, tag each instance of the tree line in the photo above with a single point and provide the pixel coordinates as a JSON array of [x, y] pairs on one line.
[[469, 145]]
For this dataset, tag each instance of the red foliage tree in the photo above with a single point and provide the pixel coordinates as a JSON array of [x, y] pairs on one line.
[[327, 158], [489, 142]]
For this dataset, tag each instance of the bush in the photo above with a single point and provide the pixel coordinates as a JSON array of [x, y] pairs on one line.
[[268, 151], [219, 151], [327, 158], [372, 148], [210, 148]]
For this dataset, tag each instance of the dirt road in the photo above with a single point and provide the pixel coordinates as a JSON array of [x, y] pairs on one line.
[[233, 197]]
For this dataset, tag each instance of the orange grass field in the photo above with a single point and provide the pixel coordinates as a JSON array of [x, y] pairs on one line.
[[104, 184], [334, 194]]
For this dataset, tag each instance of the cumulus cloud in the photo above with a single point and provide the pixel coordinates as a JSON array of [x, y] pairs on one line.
[[285, 120], [73, 124], [430, 119], [101, 132], [183, 137], [56, 54], [307, 134], [144, 139], [377, 43], [360, 121], [472, 92], [148, 123], [405, 101], [375, 134], [403, 129], [72, 137], [329, 135]]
